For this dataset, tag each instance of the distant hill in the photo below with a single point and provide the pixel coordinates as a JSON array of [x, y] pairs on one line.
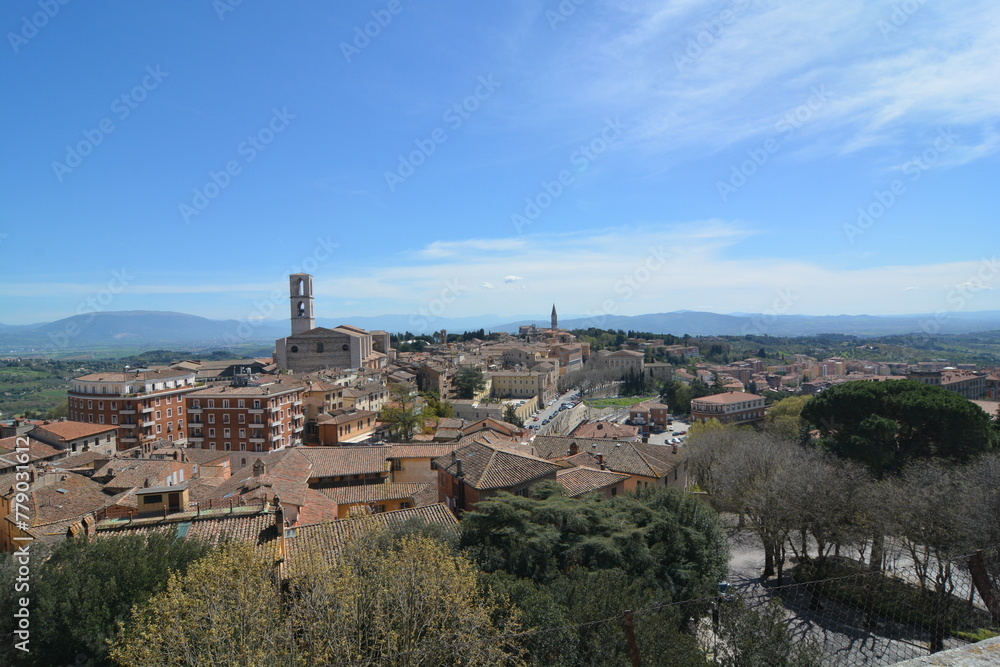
[[697, 323], [153, 329]]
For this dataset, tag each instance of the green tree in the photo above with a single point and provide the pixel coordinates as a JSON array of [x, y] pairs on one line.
[[88, 586], [511, 417], [402, 414], [436, 406], [886, 425], [225, 610], [468, 382]]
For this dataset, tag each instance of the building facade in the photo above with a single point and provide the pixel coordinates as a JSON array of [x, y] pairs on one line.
[[255, 417], [144, 405]]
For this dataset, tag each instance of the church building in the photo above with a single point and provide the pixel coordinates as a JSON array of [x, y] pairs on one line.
[[311, 348]]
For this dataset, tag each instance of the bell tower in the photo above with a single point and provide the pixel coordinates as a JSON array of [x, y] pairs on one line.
[[300, 293], [555, 317]]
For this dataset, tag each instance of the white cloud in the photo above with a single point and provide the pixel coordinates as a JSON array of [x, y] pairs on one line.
[[487, 285], [512, 279]]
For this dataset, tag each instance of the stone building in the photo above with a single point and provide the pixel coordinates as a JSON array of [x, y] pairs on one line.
[[311, 348]]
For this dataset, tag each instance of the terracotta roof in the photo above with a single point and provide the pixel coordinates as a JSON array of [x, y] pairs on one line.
[[727, 398], [374, 493], [70, 430], [491, 467], [142, 375], [608, 430], [324, 541], [632, 458], [36, 449], [67, 496], [579, 481], [405, 451], [133, 473], [243, 523], [345, 460]]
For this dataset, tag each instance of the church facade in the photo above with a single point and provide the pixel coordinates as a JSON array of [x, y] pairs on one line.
[[311, 348]]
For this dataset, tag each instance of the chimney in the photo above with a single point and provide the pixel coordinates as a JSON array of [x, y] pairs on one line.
[[600, 426], [573, 449], [259, 468], [458, 468], [600, 460], [279, 525], [674, 448]]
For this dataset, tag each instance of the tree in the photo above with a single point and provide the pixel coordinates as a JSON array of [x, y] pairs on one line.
[[468, 382], [408, 602], [886, 425], [402, 414], [226, 610], [663, 536], [759, 638], [436, 407], [784, 417], [87, 586], [511, 417]]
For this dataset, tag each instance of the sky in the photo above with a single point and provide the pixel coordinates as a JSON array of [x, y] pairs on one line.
[[462, 159]]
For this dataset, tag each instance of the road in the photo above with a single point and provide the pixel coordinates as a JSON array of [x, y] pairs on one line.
[[839, 629]]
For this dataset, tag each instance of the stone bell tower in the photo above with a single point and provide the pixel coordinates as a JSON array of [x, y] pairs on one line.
[[300, 293]]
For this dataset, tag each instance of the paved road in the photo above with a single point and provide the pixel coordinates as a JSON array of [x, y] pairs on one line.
[[840, 630]]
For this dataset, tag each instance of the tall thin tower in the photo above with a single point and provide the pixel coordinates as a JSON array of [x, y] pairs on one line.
[[300, 293], [555, 318]]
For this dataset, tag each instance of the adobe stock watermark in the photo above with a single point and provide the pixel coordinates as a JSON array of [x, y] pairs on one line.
[[262, 309], [761, 323], [21, 506], [454, 116], [579, 160], [900, 15], [562, 12], [983, 279], [883, 200], [91, 306], [450, 292], [793, 119], [30, 25], [122, 107], [710, 32], [363, 35], [248, 149], [631, 283]]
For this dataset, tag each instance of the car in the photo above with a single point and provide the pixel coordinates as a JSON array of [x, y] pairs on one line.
[[535, 418], [681, 433]]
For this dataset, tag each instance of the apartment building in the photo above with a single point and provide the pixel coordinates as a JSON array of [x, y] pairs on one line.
[[732, 407], [256, 416], [145, 405]]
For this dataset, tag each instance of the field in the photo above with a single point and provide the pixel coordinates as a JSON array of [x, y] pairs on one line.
[[599, 403]]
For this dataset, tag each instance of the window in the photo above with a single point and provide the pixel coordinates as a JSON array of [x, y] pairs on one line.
[[90, 405], [243, 446], [157, 414], [157, 402], [225, 402], [243, 433], [294, 348], [100, 419], [256, 447], [180, 409], [211, 402], [225, 433], [114, 405], [256, 404], [225, 418], [159, 428], [319, 348], [154, 498], [170, 413], [195, 403], [211, 432], [100, 405], [228, 447], [211, 419], [397, 464], [114, 419], [241, 403], [242, 418]]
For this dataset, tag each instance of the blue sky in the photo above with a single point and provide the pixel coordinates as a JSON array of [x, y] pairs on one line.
[[493, 158]]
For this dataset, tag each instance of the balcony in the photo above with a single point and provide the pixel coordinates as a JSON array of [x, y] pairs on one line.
[[148, 424], [196, 438], [276, 437], [130, 440], [298, 416], [275, 409], [297, 429], [297, 402], [147, 410], [256, 411], [194, 411], [127, 411], [258, 440]]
